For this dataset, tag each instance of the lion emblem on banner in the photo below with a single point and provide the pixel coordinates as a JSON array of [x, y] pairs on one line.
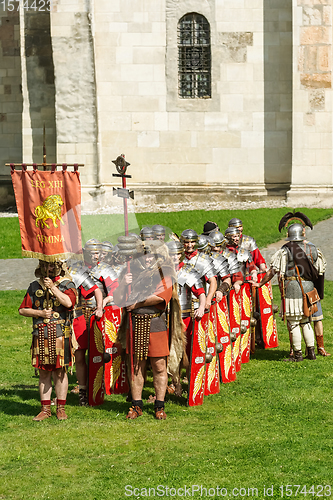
[[51, 209]]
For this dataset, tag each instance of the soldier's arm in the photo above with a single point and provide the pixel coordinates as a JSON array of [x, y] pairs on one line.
[[99, 303], [28, 312], [212, 289], [201, 309]]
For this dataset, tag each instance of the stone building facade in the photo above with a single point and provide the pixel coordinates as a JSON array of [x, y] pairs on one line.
[[104, 78]]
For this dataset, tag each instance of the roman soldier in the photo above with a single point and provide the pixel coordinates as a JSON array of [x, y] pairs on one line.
[[147, 233], [248, 243], [50, 301], [150, 279], [95, 282], [105, 254], [159, 232], [192, 300], [244, 256], [196, 271], [299, 265], [317, 317]]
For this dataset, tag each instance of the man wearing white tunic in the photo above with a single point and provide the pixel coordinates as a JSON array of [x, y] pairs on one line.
[[311, 265]]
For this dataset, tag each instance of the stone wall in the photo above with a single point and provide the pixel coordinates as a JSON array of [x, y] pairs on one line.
[[10, 100], [312, 173]]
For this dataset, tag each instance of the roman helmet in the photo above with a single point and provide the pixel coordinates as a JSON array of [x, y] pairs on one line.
[[235, 222], [90, 249], [217, 238], [295, 233], [106, 251], [175, 247], [147, 233], [159, 231], [189, 235], [229, 232], [203, 243]]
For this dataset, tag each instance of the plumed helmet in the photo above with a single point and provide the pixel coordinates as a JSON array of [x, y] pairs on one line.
[[147, 233], [202, 243], [295, 232], [209, 226], [235, 222], [175, 247], [189, 235], [217, 238], [158, 229]]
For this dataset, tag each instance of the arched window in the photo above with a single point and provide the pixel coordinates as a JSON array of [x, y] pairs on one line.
[[194, 57]]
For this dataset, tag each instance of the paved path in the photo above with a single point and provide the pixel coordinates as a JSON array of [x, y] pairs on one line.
[[321, 236], [17, 274]]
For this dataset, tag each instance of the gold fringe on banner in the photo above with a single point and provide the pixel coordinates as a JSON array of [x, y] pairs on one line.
[[51, 258]]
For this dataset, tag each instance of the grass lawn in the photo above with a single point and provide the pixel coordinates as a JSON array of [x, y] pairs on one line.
[[272, 427], [261, 224]]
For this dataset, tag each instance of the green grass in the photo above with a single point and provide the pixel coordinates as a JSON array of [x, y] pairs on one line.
[[261, 224], [271, 427]]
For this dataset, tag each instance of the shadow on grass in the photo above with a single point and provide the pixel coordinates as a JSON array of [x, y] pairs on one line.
[[269, 354]]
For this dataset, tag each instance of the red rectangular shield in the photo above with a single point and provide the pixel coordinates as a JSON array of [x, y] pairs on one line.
[[268, 322], [96, 389], [226, 357], [212, 377], [235, 323], [246, 305], [197, 362], [115, 375]]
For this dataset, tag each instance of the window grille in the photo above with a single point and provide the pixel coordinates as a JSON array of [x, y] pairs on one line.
[[194, 57]]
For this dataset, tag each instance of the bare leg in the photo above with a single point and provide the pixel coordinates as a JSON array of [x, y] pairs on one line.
[[61, 383], [160, 376], [45, 385], [81, 366], [139, 380]]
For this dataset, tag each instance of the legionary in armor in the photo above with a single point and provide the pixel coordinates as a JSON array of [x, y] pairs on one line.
[[147, 233], [95, 282], [192, 300], [317, 317], [49, 301], [151, 279], [248, 243], [299, 265], [244, 256], [221, 264], [200, 262], [196, 271], [159, 232], [105, 254]]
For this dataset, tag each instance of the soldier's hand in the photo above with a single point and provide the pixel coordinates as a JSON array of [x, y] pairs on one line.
[[199, 313], [208, 304], [218, 296], [236, 287], [48, 283], [98, 313], [254, 277], [46, 313]]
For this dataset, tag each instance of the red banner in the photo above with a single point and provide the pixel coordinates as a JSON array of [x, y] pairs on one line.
[[49, 211]]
